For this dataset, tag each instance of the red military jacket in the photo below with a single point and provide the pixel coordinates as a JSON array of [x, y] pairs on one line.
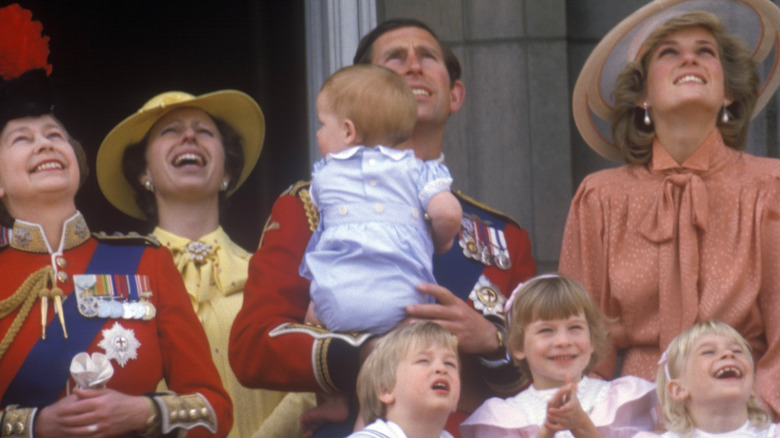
[[271, 348], [164, 340]]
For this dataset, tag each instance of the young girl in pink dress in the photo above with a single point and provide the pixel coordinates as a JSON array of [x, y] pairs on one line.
[[706, 386], [556, 334]]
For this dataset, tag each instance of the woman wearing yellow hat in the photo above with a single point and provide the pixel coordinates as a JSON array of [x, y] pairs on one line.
[[689, 228], [173, 163]]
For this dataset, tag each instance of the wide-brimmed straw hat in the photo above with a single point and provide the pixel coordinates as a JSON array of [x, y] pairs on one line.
[[237, 109], [757, 22]]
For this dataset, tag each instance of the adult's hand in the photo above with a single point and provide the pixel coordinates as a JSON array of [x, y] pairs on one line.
[[476, 335], [93, 413]]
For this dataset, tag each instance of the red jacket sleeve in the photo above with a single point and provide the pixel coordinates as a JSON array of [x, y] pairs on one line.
[[187, 364], [269, 346]]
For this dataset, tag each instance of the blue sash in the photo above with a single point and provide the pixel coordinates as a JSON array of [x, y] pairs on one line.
[[42, 376], [457, 272]]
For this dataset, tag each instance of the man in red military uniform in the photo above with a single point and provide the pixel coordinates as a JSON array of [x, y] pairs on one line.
[[270, 347]]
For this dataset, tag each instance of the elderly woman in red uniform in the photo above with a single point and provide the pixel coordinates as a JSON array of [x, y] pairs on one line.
[[689, 229], [88, 324]]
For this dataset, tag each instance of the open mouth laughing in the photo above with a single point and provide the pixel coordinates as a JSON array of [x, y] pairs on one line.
[[189, 159], [728, 372]]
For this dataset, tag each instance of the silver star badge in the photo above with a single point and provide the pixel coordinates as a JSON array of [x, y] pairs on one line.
[[120, 344]]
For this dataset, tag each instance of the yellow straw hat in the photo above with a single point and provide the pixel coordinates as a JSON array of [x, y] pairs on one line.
[[237, 109], [757, 22]]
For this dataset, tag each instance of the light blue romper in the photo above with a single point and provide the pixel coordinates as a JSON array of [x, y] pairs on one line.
[[372, 247]]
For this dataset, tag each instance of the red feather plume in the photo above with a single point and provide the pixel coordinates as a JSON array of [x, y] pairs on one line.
[[22, 46]]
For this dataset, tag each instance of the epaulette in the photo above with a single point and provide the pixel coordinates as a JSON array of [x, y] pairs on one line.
[[131, 238], [482, 206], [301, 190], [297, 187]]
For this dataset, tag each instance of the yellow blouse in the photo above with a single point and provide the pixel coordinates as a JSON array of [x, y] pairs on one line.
[[214, 270]]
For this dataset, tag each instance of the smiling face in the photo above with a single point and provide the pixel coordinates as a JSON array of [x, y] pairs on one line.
[[426, 381], [717, 369], [685, 69], [415, 54], [184, 155], [37, 162], [555, 348]]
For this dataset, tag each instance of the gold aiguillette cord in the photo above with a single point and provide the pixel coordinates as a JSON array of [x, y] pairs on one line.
[[25, 297], [56, 293]]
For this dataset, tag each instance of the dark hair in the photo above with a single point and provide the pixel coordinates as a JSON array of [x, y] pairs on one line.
[[134, 165], [365, 49], [741, 84]]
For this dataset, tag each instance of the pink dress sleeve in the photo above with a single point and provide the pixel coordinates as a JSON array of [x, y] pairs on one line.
[[629, 407], [496, 418]]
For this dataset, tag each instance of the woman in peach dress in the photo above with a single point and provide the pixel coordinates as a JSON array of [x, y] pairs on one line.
[[689, 228]]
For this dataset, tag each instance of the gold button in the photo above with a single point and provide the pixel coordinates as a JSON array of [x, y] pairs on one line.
[[343, 210], [62, 276], [61, 262], [204, 412], [19, 428], [415, 213], [379, 207], [193, 414], [372, 182]]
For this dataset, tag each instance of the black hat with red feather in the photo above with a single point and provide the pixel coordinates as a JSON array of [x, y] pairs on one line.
[[25, 88]]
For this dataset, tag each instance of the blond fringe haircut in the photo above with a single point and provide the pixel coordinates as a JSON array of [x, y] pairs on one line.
[[676, 417], [742, 81], [378, 372]]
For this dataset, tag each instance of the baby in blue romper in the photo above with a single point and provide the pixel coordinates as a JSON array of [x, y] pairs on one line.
[[383, 212]]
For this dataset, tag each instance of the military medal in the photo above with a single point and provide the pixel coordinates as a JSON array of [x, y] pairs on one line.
[[500, 251], [149, 310], [487, 298], [127, 311], [468, 239], [484, 243], [113, 296]]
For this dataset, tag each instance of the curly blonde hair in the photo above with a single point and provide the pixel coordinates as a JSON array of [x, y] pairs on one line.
[[675, 414], [742, 81]]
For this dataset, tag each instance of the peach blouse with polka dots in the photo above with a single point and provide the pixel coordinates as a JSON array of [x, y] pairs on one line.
[[663, 245]]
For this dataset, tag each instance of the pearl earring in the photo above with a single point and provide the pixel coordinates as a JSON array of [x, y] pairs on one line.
[[725, 118], [149, 186], [225, 185], [647, 116]]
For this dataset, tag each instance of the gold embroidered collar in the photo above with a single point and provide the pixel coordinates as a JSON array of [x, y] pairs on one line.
[[29, 237]]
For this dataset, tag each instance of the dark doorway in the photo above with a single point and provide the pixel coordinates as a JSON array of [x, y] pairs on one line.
[[109, 57]]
